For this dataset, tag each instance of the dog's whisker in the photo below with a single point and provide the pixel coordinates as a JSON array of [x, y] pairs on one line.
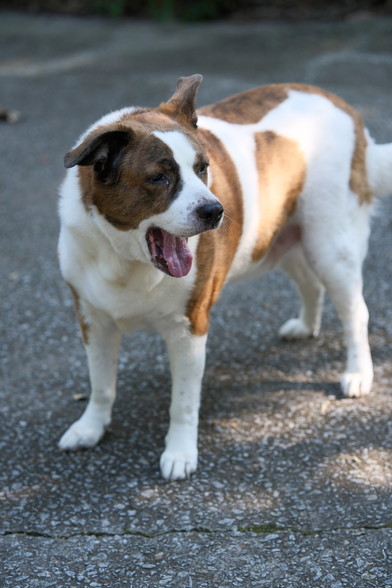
[[229, 220]]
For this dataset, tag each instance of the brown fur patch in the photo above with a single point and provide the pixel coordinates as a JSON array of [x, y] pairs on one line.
[[134, 196], [281, 170], [82, 323], [216, 249], [150, 119], [248, 107]]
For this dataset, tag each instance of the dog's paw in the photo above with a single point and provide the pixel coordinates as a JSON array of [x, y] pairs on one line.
[[295, 328], [355, 385], [177, 465], [81, 435]]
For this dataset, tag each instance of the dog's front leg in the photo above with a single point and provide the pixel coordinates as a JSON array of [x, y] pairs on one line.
[[187, 360], [101, 341]]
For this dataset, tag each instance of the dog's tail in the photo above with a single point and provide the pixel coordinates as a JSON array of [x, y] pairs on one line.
[[379, 165]]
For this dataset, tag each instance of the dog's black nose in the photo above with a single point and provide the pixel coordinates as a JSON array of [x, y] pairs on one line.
[[211, 213]]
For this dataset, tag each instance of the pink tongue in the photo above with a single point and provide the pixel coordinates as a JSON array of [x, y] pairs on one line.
[[177, 255]]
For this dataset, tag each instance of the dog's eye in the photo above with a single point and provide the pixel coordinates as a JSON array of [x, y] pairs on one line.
[[203, 168], [159, 179]]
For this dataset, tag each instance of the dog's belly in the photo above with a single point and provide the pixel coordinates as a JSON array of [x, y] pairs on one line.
[[289, 236]]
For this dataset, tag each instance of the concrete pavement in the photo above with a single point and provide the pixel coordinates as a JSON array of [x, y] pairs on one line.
[[294, 483]]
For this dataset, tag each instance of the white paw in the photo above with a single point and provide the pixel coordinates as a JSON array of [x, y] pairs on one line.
[[177, 465], [356, 384], [81, 435], [295, 328]]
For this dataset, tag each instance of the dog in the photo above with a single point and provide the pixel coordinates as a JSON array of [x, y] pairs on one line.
[[161, 207]]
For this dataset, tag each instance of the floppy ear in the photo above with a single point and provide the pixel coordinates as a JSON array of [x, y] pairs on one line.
[[103, 151], [182, 104]]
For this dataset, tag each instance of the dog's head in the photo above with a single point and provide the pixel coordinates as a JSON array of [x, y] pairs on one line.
[[146, 175]]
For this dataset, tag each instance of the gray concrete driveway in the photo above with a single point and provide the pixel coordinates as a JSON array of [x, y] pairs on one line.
[[294, 483]]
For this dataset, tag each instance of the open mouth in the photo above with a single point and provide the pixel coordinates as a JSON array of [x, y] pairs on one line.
[[169, 253]]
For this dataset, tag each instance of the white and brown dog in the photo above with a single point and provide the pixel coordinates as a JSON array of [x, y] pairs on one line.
[[297, 176]]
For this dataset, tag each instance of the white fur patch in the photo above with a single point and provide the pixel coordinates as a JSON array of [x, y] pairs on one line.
[[179, 218], [240, 144]]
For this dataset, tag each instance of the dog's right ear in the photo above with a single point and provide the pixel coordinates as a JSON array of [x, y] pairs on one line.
[[103, 151], [182, 104]]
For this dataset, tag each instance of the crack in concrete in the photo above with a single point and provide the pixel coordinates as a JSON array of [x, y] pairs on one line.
[[263, 529]]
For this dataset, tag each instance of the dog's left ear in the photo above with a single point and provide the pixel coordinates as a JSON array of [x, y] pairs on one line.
[[182, 104]]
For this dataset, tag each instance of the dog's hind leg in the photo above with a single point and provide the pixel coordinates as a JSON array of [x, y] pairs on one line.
[[311, 291], [187, 359], [336, 249], [101, 341], [346, 294]]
